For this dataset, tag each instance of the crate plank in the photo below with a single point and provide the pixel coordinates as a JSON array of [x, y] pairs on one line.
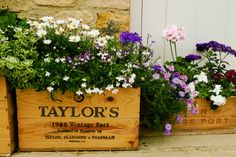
[[100, 122]]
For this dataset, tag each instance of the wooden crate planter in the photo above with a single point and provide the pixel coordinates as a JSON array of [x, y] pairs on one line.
[[207, 121], [99, 122], [8, 123]]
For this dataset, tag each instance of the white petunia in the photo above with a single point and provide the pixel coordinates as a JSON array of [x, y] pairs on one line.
[[79, 92], [101, 41], [41, 32], [47, 73], [109, 87], [47, 41], [218, 100], [191, 86], [202, 77], [74, 38], [216, 90], [115, 91], [66, 78], [50, 88]]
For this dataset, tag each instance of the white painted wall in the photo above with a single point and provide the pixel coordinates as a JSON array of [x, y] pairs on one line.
[[203, 20]]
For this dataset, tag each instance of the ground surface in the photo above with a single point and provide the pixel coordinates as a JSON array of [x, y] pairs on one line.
[[171, 146]]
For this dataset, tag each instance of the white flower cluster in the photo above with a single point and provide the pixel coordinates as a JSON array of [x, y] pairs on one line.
[[217, 99], [201, 78]]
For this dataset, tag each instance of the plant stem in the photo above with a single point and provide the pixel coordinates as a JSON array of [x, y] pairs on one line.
[[171, 50], [175, 51]]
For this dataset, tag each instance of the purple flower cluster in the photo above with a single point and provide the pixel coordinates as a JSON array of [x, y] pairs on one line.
[[216, 47], [129, 37], [84, 57], [192, 57]]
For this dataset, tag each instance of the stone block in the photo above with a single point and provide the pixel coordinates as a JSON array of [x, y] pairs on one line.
[[56, 3], [115, 4]]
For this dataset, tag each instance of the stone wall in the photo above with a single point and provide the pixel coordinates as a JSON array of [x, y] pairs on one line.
[[95, 12]]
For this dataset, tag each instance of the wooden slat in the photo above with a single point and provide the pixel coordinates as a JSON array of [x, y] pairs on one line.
[[223, 119], [35, 127], [8, 123]]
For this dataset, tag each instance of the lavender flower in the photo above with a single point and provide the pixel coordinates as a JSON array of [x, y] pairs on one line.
[[181, 94], [129, 37], [156, 76], [176, 80], [168, 128], [179, 119], [192, 57]]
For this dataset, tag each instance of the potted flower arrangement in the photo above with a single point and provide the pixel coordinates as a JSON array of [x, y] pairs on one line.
[[77, 87], [214, 85]]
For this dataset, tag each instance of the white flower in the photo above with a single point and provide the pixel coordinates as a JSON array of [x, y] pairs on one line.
[[73, 23], [109, 87], [57, 60], [50, 88], [66, 78], [117, 84], [41, 32], [100, 91], [74, 38], [125, 85], [202, 77], [63, 60], [47, 41], [132, 78], [86, 27], [83, 85], [96, 90], [109, 38], [120, 78], [218, 100], [47, 19], [47, 73], [191, 86], [32, 23], [84, 79], [101, 41], [89, 91], [216, 90], [79, 92], [60, 21], [115, 91], [93, 33], [47, 60]]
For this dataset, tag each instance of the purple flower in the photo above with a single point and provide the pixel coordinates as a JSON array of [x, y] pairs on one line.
[[181, 94], [192, 57], [179, 119], [167, 76], [171, 68], [216, 47], [156, 76], [157, 67], [176, 74], [194, 109], [168, 128], [84, 57], [176, 80], [182, 85], [184, 78], [129, 37]]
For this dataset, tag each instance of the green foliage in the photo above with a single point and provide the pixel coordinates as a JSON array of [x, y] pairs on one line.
[[159, 101]]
